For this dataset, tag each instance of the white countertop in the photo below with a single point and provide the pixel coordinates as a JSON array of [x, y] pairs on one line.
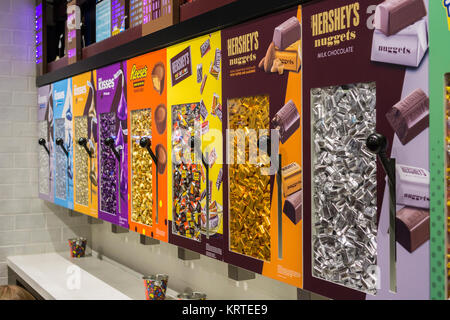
[[57, 276]]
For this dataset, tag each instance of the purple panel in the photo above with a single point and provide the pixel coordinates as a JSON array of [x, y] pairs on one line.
[[113, 172]]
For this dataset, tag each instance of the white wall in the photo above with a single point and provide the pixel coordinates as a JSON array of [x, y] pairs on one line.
[[27, 224]]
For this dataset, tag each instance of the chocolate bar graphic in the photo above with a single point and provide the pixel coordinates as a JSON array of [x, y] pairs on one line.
[[199, 73], [407, 47], [219, 179], [292, 178], [293, 207], [203, 110], [409, 117], [203, 84], [391, 16], [412, 227], [413, 186], [287, 120], [205, 47], [287, 33]]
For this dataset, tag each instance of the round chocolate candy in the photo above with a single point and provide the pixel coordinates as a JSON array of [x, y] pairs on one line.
[[158, 77], [162, 158], [160, 118]]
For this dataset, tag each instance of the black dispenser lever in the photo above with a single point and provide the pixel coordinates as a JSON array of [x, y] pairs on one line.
[[83, 142], [378, 144], [60, 142], [110, 143], [146, 143], [42, 142]]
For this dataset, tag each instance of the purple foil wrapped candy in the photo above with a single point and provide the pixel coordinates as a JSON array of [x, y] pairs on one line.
[[108, 165]]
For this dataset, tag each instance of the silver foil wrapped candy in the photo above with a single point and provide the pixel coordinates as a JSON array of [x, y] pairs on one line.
[[61, 167], [344, 220], [44, 161]]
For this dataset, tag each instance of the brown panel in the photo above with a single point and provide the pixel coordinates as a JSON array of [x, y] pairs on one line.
[[112, 42], [57, 64], [164, 21], [74, 43]]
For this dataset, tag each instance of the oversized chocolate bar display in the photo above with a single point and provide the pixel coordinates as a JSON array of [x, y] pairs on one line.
[[287, 120], [249, 190], [410, 116], [344, 185], [391, 16], [412, 227], [407, 47], [413, 186], [287, 33], [293, 207]]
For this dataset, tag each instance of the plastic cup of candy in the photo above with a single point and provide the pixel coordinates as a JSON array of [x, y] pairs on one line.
[[156, 286], [77, 247]]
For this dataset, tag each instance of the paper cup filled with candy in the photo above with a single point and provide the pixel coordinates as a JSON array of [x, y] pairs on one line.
[[156, 286], [77, 247]]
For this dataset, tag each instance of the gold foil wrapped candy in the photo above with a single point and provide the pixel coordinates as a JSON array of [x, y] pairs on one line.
[[141, 186], [81, 163], [249, 189]]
